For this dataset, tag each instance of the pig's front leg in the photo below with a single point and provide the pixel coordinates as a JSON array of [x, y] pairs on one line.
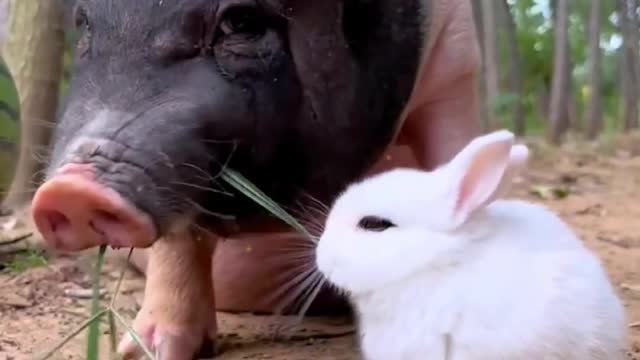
[[178, 312]]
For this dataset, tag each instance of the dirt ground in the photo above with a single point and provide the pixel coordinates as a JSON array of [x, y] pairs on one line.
[[595, 188]]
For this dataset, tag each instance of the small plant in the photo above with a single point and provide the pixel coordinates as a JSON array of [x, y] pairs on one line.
[[24, 260], [234, 179]]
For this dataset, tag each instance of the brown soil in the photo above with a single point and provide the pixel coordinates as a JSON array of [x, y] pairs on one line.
[[597, 194]]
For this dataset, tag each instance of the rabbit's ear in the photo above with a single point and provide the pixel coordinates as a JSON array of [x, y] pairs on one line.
[[517, 160], [481, 172]]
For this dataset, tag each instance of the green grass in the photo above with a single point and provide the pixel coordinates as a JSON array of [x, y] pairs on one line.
[[25, 260], [94, 327], [245, 187]]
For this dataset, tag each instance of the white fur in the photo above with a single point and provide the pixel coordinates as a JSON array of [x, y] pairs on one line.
[[505, 279]]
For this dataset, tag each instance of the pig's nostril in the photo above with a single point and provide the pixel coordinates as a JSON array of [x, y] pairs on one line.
[[108, 224], [107, 216], [95, 228], [57, 221]]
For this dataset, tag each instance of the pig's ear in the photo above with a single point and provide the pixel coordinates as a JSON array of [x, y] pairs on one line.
[[480, 173]]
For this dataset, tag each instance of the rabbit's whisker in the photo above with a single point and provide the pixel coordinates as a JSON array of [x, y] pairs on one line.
[[319, 283], [297, 291], [292, 280]]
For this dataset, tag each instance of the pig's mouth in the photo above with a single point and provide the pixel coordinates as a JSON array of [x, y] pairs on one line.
[[73, 212]]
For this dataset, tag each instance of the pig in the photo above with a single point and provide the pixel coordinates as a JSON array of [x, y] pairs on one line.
[[302, 97]]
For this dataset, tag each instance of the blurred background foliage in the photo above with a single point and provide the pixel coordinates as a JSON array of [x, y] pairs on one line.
[[9, 126], [535, 42]]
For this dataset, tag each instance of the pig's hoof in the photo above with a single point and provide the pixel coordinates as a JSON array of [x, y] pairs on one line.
[[170, 341]]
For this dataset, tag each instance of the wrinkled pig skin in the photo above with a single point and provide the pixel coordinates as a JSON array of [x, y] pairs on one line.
[[300, 96]]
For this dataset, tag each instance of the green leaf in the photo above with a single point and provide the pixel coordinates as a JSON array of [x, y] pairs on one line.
[[550, 192]]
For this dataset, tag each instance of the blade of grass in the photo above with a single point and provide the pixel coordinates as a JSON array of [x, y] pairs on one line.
[[133, 334], [120, 278], [113, 342], [112, 324], [243, 185], [72, 334], [94, 327]]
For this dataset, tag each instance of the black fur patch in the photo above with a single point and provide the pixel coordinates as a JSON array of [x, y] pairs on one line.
[[385, 38]]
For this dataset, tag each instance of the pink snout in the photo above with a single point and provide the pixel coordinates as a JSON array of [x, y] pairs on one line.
[[73, 212]]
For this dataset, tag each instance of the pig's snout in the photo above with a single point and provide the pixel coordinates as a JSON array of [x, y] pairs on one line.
[[73, 212]]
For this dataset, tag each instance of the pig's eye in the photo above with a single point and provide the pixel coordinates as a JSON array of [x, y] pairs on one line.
[[375, 223], [246, 21]]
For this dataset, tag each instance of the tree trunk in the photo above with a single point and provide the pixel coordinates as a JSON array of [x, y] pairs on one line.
[[558, 121], [594, 101], [570, 111], [634, 36], [629, 60], [32, 49], [542, 101], [490, 57], [573, 120], [629, 104], [515, 76]]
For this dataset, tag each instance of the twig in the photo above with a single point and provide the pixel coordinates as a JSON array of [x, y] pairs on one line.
[[83, 293], [15, 240], [321, 336], [119, 283], [16, 301], [71, 335], [112, 324], [13, 246], [73, 312]]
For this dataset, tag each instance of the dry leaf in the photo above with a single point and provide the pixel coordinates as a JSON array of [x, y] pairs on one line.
[[550, 192]]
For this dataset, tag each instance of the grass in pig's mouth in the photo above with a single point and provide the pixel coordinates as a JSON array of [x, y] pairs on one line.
[[242, 185]]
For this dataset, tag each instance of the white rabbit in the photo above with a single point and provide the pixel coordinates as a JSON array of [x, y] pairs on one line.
[[439, 268]]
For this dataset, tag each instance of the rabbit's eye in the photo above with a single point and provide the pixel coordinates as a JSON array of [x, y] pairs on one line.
[[374, 223]]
